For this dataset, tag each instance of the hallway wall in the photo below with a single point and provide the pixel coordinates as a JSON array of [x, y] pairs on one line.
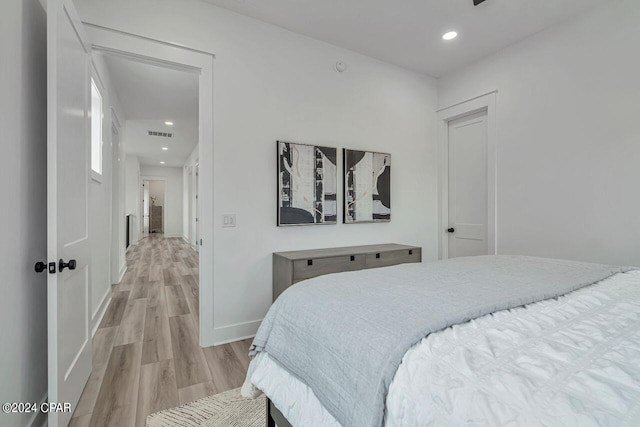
[[23, 120], [133, 198], [100, 202]]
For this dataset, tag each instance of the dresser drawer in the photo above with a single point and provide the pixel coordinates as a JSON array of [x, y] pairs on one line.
[[308, 268], [386, 259]]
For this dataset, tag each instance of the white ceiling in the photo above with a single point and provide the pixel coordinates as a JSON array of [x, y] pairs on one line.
[[150, 95], [409, 32], [149, 148]]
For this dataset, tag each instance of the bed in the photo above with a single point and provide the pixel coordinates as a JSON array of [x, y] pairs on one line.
[[498, 340]]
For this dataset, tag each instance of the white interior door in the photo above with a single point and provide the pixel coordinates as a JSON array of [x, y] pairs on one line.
[[68, 160], [468, 186]]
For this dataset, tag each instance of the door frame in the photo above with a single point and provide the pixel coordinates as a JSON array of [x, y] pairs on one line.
[[488, 103], [164, 207], [183, 58]]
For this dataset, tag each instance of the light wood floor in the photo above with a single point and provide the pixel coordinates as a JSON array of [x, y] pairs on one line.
[[146, 356]]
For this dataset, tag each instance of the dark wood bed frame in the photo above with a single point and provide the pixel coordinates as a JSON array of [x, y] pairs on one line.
[[275, 417]]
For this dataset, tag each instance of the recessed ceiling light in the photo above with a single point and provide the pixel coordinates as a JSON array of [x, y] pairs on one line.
[[165, 148], [162, 163], [168, 123], [450, 35]]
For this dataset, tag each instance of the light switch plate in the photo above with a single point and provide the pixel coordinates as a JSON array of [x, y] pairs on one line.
[[229, 220]]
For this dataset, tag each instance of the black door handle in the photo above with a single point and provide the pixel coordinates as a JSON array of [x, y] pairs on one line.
[[62, 265], [451, 230], [41, 266]]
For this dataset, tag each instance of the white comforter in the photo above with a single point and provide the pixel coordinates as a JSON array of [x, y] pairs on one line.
[[571, 361]]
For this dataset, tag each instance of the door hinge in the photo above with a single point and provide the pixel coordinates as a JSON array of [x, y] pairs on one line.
[[200, 242]]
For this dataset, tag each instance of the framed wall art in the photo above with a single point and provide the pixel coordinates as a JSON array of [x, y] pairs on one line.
[[367, 186], [307, 184]]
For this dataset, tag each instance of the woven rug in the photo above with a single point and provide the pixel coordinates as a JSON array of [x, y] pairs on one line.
[[227, 409]]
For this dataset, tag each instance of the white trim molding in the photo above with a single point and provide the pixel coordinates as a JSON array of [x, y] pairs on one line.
[[97, 316], [488, 103], [123, 271], [236, 332]]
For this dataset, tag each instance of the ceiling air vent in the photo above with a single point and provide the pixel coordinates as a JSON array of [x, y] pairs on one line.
[[161, 134]]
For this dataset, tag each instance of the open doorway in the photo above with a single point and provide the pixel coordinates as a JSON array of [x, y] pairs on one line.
[[154, 311], [154, 199]]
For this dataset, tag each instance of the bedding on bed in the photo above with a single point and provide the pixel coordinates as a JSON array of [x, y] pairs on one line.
[[573, 360], [345, 335]]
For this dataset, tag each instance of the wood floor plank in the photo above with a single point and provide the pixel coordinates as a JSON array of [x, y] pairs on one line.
[[132, 324], [192, 298], [241, 350], [157, 389], [227, 372], [101, 346], [114, 312], [181, 268], [196, 392], [157, 335], [143, 270], [83, 421], [155, 271], [101, 352], [171, 277], [140, 289], [190, 363], [156, 295], [176, 301], [159, 362], [119, 387]]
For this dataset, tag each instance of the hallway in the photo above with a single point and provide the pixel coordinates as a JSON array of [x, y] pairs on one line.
[[146, 356]]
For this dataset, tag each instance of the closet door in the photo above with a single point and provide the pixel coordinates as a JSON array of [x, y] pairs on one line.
[[468, 186]]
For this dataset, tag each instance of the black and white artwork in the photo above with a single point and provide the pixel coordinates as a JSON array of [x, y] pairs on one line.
[[307, 184], [367, 186]]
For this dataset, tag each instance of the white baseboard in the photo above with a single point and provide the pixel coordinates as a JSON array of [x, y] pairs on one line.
[[39, 418], [123, 270], [172, 235], [186, 239], [237, 332], [102, 309]]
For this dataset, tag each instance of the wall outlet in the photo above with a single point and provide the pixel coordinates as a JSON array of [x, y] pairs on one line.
[[229, 220]]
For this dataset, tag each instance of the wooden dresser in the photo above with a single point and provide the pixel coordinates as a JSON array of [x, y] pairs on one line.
[[156, 220], [292, 267]]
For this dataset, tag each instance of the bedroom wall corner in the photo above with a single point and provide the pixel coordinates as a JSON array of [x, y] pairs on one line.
[[568, 148]]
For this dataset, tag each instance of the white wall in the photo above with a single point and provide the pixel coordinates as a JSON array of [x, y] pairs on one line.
[[102, 204], [569, 144], [173, 204], [133, 201], [156, 189], [272, 84], [23, 120], [119, 230], [100, 226]]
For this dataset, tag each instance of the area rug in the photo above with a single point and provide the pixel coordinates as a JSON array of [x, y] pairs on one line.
[[227, 409]]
